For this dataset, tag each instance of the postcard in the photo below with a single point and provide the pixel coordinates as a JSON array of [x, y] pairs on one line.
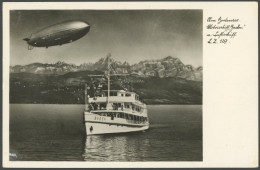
[[130, 84]]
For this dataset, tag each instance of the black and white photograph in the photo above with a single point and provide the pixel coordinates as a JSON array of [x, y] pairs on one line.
[[130, 84], [106, 85]]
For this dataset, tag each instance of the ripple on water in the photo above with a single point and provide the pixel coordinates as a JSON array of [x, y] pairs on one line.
[[56, 133]]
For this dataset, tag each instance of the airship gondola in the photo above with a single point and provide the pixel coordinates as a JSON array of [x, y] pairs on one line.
[[58, 34]]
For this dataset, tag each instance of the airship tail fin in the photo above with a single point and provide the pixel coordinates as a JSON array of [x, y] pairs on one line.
[[26, 39], [30, 47]]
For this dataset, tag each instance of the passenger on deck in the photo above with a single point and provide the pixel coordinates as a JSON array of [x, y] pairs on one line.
[[113, 106], [95, 106], [112, 116], [90, 107]]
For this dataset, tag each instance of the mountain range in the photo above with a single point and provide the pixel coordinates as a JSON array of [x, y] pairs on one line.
[[162, 68]]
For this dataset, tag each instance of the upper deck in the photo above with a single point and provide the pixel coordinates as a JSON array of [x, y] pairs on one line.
[[118, 96]]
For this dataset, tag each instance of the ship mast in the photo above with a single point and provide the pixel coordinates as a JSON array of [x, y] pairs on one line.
[[108, 79]]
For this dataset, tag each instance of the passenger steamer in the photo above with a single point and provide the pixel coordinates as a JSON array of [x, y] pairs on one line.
[[115, 111]]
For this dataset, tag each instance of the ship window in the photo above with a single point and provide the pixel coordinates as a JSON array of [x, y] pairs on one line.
[[121, 115], [122, 95], [127, 94], [113, 93]]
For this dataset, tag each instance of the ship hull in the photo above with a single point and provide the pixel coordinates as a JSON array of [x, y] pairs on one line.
[[102, 128], [96, 124]]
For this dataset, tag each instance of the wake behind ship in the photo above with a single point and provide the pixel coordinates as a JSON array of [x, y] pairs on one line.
[[114, 111]]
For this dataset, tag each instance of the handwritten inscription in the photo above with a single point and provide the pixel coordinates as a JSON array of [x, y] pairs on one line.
[[223, 30]]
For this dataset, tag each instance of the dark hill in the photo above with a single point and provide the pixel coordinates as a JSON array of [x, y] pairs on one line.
[[69, 88]]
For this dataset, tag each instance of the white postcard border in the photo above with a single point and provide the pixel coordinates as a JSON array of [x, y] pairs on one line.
[[230, 132]]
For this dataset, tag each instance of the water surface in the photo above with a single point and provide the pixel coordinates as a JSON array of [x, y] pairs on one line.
[[49, 132]]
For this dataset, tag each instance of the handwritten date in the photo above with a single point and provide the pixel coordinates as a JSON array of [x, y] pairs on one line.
[[216, 41]]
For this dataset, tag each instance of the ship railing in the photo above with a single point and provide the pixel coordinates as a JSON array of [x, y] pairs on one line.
[[116, 99], [95, 106], [116, 117]]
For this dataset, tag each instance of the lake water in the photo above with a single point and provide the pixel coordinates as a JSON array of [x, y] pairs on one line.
[[50, 132]]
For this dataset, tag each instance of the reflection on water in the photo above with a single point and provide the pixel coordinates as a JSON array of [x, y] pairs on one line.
[[56, 133], [118, 147], [100, 148]]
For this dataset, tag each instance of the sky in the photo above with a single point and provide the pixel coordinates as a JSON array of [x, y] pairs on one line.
[[129, 35]]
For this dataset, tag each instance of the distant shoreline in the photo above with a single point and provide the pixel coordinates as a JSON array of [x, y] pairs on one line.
[[70, 89]]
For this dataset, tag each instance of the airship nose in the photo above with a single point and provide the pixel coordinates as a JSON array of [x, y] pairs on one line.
[[86, 27], [82, 25], [86, 24]]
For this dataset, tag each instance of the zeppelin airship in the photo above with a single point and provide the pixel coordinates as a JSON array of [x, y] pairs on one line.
[[58, 34]]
